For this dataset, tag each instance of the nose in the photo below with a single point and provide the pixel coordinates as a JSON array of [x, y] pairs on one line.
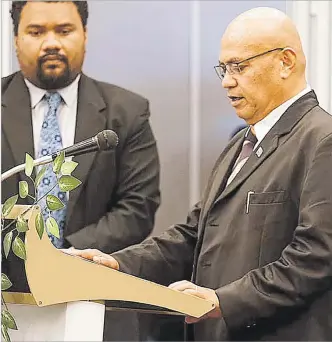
[[51, 42], [228, 81]]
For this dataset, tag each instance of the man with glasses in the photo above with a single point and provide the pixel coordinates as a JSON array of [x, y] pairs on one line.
[[259, 243]]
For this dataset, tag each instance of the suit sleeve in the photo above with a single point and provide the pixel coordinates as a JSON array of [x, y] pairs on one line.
[[137, 195], [166, 258], [305, 266]]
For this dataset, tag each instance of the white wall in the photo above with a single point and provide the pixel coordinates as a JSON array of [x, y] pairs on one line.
[[6, 39], [314, 21]]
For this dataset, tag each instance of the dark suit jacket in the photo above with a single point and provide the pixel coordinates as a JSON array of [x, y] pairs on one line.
[[115, 205], [271, 265]]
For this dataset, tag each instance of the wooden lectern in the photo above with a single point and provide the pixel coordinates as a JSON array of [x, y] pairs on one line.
[[68, 293]]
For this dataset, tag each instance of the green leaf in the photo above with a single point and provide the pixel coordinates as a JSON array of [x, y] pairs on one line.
[[40, 175], [53, 203], [52, 227], [68, 167], [8, 205], [58, 162], [23, 189], [4, 332], [7, 242], [19, 248], [39, 225], [5, 282], [68, 183], [8, 320], [28, 164], [21, 224]]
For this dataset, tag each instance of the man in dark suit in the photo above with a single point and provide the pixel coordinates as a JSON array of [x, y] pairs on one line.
[[259, 243], [116, 204]]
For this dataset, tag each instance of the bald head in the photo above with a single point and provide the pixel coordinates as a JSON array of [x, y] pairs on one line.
[[265, 28], [272, 68]]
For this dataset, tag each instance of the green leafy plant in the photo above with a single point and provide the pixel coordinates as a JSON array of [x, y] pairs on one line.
[[14, 230]]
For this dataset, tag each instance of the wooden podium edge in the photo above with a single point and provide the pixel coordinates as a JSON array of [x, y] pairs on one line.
[[55, 277], [27, 298], [18, 298]]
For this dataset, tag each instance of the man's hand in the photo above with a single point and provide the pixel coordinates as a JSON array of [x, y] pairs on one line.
[[201, 292], [94, 255]]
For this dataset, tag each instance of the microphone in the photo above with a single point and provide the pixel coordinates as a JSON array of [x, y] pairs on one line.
[[103, 141]]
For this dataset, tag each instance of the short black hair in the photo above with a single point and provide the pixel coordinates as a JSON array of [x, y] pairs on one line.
[[17, 7]]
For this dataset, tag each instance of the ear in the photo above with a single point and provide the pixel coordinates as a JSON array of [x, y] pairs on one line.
[[86, 35], [287, 62], [15, 42]]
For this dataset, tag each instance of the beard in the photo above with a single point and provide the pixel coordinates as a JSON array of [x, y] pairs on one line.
[[51, 81]]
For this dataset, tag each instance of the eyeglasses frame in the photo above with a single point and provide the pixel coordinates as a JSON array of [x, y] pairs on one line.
[[217, 67]]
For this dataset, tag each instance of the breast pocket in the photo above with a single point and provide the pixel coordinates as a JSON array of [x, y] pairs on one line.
[[266, 207], [261, 198], [273, 217]]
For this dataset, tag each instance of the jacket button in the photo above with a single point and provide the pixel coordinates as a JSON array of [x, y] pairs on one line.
[[213, 223], [205, 263]]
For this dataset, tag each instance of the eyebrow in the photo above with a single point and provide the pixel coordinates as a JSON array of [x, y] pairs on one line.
[[232, 60], [34, 26], [66, 25], [42, 26]]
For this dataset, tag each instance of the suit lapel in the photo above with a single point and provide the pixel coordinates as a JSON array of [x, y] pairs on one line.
[[254, 161], [16, 119], [221, 172], [90, 120]]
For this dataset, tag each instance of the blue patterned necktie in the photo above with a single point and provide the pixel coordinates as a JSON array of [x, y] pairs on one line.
[[50, 141]]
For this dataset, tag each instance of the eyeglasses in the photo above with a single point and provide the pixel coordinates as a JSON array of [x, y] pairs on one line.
[[236, 68]]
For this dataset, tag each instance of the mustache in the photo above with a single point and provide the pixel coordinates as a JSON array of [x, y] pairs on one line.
[[52, 54]]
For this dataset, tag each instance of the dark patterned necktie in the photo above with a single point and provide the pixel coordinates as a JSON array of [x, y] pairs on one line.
[[50, 141], [247, 148]]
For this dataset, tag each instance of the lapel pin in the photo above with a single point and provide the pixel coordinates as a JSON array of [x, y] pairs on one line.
[[259, 152]]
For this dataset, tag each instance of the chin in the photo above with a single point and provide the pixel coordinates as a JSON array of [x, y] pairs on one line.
[[54, 78], [53, 73], [248, 118], [56, 82], [241, 114]]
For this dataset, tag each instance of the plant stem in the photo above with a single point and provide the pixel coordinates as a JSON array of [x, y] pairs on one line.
[[34, 186], [32, 197]]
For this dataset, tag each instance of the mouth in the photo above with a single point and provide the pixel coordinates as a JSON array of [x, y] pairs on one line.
[[235, 100], [56, 58], [52, 62]]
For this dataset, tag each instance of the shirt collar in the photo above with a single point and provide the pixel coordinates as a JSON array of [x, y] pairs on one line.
[[262, 127], [36, 94], [68, 94]]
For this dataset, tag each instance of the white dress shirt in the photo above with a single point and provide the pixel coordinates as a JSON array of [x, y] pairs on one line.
[[66, 113], [262, 127]]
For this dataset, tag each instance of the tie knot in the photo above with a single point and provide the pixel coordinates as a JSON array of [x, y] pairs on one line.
[[53, 99], [251, 137]]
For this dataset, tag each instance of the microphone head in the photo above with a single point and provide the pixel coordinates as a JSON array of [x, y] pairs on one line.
[[107, 140]]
